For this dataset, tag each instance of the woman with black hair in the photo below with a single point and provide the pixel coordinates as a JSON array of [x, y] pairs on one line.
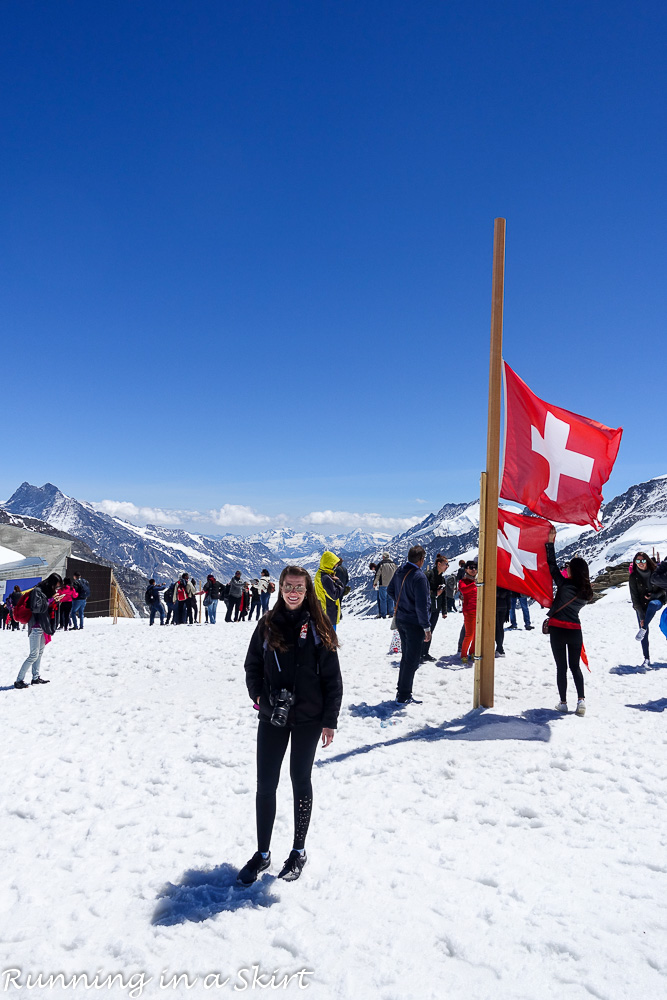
[[646, 599], [573, 592], [293, 675], [39, 627]]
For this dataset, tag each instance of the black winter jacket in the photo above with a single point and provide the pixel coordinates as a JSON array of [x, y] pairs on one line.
[[503, 602], [214, 589], [566, 593], [644, 590], [307, 668], [435, 581], [659, 577]]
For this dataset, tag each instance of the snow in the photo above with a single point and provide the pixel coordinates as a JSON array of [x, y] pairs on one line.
[[648, 534], [9, 556], [453, 854]]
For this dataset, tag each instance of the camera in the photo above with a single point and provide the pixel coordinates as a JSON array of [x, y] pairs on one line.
[[281, 702]]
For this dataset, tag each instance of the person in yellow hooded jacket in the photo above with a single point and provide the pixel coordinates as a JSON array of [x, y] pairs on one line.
[[328, 589]]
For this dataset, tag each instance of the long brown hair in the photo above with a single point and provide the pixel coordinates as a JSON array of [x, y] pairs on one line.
[[274, 636]]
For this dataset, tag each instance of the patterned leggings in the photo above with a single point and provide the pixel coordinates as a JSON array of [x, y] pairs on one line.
[[271, 748]]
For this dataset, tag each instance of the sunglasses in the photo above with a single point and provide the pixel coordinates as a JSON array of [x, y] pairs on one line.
[[298, 589]]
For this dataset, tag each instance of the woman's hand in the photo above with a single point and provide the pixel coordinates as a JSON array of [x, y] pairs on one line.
[[552, 535], [327, 736]]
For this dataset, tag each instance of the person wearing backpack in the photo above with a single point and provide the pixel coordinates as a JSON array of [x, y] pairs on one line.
[[171, 606], [153, 601], [183, 589], [82, 588], [36, 602]]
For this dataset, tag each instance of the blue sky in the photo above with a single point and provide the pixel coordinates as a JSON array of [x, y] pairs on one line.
[[247, 245]]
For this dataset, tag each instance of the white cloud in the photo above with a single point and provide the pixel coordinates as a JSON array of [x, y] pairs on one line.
[[233, 515], [418, 500], [130, 512], [349, 519], [230, 515]]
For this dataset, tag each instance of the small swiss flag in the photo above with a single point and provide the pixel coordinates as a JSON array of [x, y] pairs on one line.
[[555, 462], [522, 557]]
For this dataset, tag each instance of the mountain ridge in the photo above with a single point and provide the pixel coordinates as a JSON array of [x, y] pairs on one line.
[[632, 520]]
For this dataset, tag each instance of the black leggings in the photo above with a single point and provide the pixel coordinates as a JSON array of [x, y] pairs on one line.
[[271, 746], [567, 642]]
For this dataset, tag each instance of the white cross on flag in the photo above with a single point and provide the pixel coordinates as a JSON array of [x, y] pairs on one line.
[[522, 557], [555, 462]]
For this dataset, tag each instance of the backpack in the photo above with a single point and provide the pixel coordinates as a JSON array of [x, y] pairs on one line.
[[270, 588], [148, 596], [169, 594], [22, 612]]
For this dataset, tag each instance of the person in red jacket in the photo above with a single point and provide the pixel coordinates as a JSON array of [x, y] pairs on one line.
[[468, 591]]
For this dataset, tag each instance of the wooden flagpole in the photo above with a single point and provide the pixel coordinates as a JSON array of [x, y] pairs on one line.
[[485, 644], [480, 592]]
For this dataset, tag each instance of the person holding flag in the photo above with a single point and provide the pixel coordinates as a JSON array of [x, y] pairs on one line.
[[573, 592]]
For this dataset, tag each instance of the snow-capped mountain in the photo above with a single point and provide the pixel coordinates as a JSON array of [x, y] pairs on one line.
[[307, 546], [453, 530], [637, 519], [154, 551], [132, 583]]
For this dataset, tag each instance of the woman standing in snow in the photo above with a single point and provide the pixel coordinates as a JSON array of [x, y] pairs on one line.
[[573, 592], [293, 674], [39, 628], [646, 599]]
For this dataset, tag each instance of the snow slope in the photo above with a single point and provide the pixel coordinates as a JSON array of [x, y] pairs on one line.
[[454, 854]]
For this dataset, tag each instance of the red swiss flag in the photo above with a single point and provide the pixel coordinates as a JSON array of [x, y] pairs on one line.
[[522, 557], [556, 462]]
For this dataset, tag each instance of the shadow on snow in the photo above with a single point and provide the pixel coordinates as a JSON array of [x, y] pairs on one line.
[[203, 893], [533, 725], [651, 706], [629, 668]]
